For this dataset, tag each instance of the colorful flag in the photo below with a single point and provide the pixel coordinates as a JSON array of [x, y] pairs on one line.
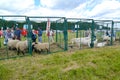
[[48, 27]]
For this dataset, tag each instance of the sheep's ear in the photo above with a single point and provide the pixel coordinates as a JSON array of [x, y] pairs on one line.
[[36, 43]]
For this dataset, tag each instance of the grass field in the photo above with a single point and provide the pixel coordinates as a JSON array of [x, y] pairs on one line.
[[88, 64]]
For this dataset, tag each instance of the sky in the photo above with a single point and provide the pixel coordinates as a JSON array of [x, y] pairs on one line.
[[95, 9]]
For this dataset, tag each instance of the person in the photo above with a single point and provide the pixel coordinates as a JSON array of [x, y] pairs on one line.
[[1, 33], [34, 36], [40, 35], [12, 33], [107, 33], [7, 36], [24, 32], [87, 33], [51, 34], [17, 34]]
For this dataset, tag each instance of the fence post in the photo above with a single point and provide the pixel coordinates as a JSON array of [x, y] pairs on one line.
[[92, 35], [56, 32], [65, 35], [80, 33], [29, 36], [111, 41], [77, 31]]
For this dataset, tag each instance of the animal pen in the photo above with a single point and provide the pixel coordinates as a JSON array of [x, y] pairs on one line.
[[117, 32], [59, 27], [58, 24], [69, 33], [7, 22], [105, 31], [80, 30]]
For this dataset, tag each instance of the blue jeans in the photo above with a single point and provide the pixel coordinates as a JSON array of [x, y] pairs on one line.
[[40, 39]]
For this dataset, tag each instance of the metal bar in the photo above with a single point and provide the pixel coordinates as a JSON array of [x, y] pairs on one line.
[[111, 41], [79, 19], [92, 35], [12, 16], [29, 36], [77, 32], [80, 34], [65, 35], [116, 21], [56, 32], [60, 19], [103, 20], [14, 57], [44, 17]]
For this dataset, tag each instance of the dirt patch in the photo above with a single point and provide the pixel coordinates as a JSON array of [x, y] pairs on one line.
[[91, 64], [70, 67]]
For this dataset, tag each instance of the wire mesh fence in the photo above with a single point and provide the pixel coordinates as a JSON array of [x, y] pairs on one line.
[[58, 33]]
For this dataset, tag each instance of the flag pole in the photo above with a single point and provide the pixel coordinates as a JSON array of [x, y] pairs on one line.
[[48, 32]]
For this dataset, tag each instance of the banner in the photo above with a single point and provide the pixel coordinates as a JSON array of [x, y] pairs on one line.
[[48, 27]]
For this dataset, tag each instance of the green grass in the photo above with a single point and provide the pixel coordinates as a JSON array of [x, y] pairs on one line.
[[89, 64]]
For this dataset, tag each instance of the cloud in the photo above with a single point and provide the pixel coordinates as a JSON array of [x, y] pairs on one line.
[[61, 4], [16, 6], [105, 8], [97, 9]]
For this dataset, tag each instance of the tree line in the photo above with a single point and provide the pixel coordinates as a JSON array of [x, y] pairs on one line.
[[54, 25]]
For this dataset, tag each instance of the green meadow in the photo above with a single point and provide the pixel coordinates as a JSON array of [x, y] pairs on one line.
[[85, 64], [88, 64]]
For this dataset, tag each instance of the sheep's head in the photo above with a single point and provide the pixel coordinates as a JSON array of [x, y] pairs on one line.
[[33, 45]]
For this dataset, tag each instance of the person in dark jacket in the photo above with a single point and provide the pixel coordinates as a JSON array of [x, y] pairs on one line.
[[39, 35], [107, 33], [34, 36], [17, 34]]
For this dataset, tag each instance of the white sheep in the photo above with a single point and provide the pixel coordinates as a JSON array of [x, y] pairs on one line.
[[107, 38], [35, 47], [38, 47], [22, 46], [12, 44], [83, 41], [101, 44]]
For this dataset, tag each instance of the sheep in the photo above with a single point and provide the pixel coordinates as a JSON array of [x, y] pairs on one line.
[[12, 44], [107, 38], [21, 46], [101, 44], [35, 47], [38, 47], [84, 41]]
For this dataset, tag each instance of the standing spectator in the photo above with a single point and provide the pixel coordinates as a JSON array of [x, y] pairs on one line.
[[24, 32], [107, 33], [17, 34], [34, 36], [39, 35], [1, 33], [7, 36], [12, 33], [51, 34], [4, 33]]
